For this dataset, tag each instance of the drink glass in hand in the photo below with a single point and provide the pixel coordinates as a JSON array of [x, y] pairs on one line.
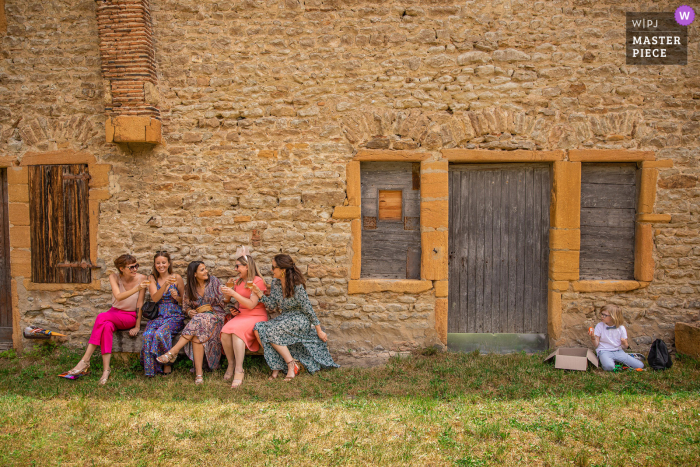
[[249, 284]]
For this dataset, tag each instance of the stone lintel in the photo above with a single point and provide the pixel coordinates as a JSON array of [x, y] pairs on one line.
[[610, 155], [64, 156], [496, 155], [346, 212], [388, 155], [434, 255], [663, 164], [7, 161], [643, 252], [606, 286], [388, 285], [356, 232], [647, 190], [441, 288], [29, 285], [441, 319], [133, 129], [354, 187], [654, 218]]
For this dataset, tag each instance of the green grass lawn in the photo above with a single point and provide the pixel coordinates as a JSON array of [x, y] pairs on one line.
[[441, 409]]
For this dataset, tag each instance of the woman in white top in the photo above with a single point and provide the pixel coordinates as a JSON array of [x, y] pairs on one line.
[[610, 337], [128, 290]]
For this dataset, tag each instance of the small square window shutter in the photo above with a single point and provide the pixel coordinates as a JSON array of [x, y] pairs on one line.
[[390, 205], [59, 224]]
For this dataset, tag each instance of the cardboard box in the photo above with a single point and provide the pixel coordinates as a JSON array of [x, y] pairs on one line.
[[573, 358]]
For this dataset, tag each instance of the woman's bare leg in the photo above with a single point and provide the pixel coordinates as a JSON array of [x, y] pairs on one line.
[[287, 357], [227, 344], [238, 351], [198, 354]]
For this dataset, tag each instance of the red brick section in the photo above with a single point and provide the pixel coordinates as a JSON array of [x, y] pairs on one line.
[[128, 55]]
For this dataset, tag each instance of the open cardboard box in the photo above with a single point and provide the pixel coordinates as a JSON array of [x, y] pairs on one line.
[[576, 358]]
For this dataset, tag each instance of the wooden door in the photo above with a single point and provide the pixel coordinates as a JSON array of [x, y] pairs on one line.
[[499, 249], [5, 281]]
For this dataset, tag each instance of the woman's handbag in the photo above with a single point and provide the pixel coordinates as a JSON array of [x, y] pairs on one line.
[[204, 309], [149, 310]]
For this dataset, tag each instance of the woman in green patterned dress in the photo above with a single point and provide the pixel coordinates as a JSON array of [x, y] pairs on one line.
[[296, 333]]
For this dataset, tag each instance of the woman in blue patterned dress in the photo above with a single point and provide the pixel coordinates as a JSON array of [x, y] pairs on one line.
[[201, 338], [166, 290], [296, 334]]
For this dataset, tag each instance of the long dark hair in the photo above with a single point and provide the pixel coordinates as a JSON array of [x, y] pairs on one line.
[[292, 274], [191, 287], [165, 255]]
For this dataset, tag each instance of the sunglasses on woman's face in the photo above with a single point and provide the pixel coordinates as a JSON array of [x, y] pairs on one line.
[[134, 267], [604, 315], [238, 266], [274, 267]]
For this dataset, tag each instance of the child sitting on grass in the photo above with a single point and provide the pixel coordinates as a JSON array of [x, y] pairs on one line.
[[610, 337]]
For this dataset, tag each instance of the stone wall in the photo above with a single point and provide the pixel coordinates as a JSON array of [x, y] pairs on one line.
[[263, 103]]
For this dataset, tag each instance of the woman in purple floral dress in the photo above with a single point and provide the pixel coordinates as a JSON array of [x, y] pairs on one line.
[[166, 290], [202, 335]]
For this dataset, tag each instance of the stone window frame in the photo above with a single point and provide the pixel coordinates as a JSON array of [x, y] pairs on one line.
[[564, 233], [20, 245]]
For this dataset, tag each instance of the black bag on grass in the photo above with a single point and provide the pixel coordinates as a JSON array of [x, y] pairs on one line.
[[659, 359]]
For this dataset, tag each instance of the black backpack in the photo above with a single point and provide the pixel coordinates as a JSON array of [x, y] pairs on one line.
[[659, 359]]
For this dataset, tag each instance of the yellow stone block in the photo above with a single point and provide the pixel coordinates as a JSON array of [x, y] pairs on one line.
[[434, 180], [554, 314], [19, 213], [354, 187], [441, 319], [389, 155], [498, 156], [605, 286], [356, 231], [565, 239], [441, 288], [21, 268], [563, 276], [62, 156], [564, 261], [664, 164], [20, 237], [98, 194], [132, 129], [99, 175], [18, 193], [559, 286], [364, 286], [434, 214], [434, 256], [346, 212], [654, 218], [17, 176], [643, 253], [647, 190], [565, 210], [267, 154]]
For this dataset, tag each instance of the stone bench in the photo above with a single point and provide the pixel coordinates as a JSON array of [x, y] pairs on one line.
[[124, 343]]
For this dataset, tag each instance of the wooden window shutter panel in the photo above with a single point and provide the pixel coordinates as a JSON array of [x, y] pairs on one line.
[[59, 221]]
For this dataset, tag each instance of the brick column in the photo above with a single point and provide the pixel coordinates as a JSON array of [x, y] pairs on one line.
[[129, 70]]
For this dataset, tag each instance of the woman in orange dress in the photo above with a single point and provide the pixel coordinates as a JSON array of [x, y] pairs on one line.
[[237, 334]]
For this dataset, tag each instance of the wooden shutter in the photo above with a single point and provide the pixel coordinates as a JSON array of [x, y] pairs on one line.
[[608, 198], [59, 219]]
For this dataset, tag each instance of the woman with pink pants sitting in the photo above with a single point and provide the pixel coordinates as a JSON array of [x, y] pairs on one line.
[[128, 290]]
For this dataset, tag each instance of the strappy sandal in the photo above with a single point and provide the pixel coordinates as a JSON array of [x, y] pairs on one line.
[[199, 379], [166, 358], [104, 378], [228, 376], [237, 378], [80, 371], [296, 371]]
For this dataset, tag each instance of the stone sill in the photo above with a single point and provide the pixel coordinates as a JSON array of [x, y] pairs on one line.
[[133, 129], [29, 285], [608, 286], [389, 285]]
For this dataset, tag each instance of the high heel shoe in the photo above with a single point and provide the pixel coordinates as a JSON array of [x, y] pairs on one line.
[[105, 377], [80, 370], [296, 370]]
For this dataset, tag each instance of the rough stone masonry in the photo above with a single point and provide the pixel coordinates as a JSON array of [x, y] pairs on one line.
[[262, 104]]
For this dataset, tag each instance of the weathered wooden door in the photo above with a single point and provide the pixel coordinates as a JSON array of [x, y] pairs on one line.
[[499, 249], [5, 281]]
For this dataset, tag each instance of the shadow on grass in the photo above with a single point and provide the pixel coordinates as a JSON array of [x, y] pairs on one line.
[[442, 376]]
